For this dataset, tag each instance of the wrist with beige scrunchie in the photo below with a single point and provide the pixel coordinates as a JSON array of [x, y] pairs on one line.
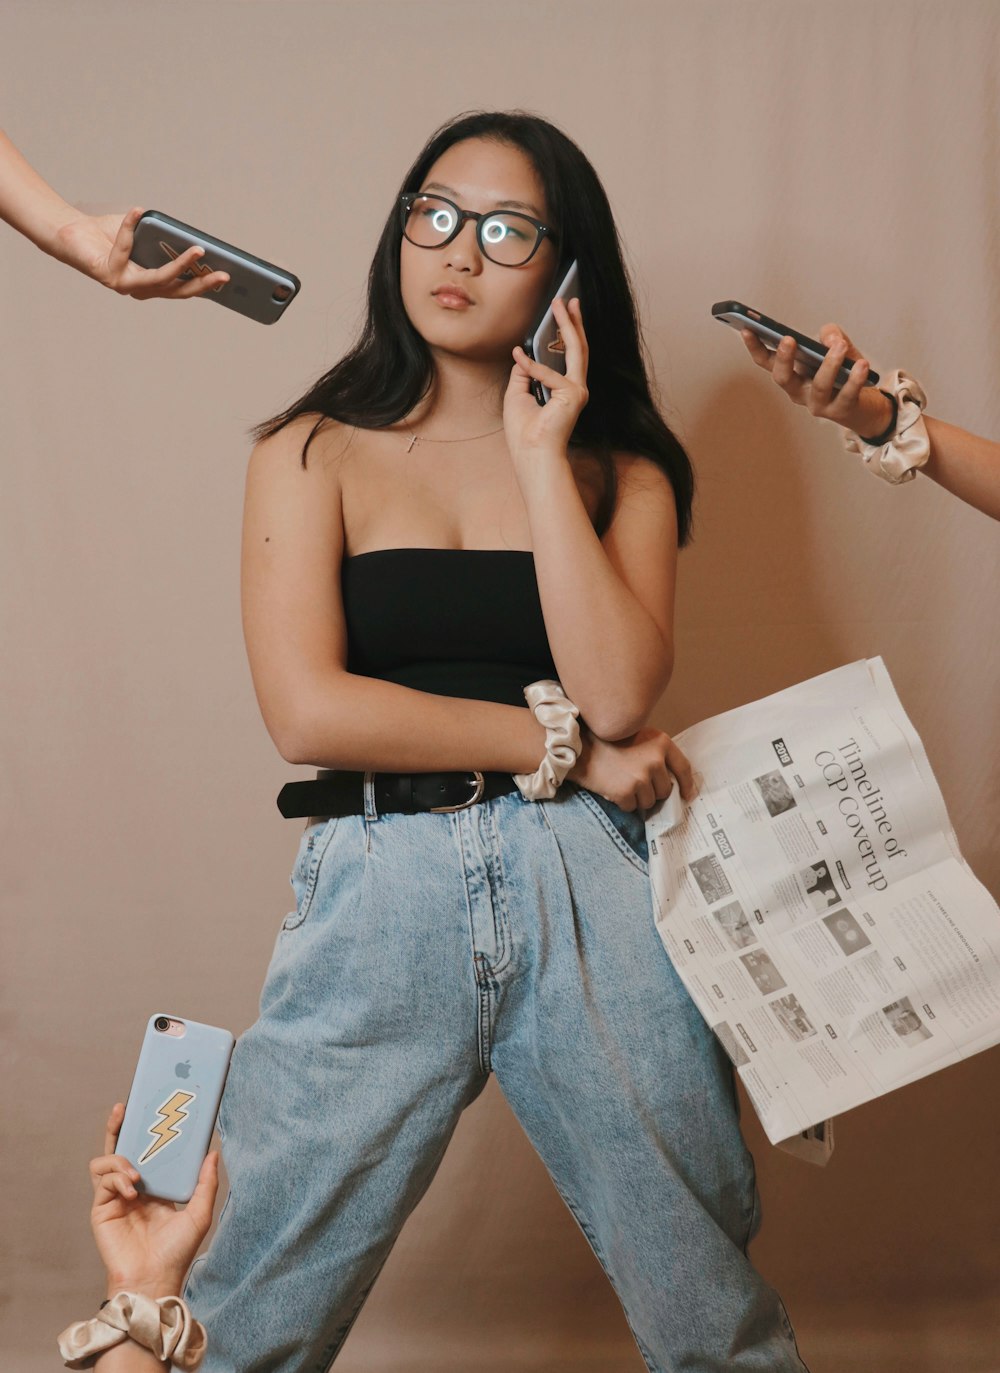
[[163, 1325], [553, 709], [146, 1245], [896, 453]]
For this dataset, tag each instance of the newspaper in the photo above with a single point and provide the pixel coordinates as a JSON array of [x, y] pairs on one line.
[[814, 902]]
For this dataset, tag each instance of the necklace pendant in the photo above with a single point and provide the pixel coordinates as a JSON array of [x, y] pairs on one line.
[[413, 439]]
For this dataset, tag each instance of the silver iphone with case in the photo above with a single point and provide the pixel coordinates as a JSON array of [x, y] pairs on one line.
[[257, 289], [545, 343]]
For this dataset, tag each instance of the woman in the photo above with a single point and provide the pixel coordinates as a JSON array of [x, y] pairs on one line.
[[422, 541]]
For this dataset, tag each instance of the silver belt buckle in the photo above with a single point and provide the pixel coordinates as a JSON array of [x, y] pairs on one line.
[[478, 782]]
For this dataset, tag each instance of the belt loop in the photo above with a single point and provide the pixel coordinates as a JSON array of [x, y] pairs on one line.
[[369, 786]]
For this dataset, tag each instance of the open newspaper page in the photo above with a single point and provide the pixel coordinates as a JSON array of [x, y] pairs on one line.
[[814, 901]]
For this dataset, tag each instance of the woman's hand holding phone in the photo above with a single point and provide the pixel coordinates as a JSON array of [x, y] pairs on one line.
[[535, 429], [100, 247], [147, 1245], [860, 408]]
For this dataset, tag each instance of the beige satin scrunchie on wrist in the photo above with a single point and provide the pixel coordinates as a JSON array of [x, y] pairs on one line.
[[163, 1325], [897, 460], [552, 708]]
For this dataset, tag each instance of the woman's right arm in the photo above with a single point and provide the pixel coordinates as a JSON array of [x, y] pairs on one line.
[[293, 619]]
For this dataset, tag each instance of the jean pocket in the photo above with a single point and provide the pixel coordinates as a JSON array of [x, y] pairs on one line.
[[627, 828], [305, 874]]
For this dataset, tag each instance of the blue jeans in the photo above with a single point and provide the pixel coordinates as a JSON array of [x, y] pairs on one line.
[[426, 951]]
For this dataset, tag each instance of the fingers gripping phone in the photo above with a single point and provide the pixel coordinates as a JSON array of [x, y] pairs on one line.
[[172, 1104], [545, 343], [809, 352], [255, 288]]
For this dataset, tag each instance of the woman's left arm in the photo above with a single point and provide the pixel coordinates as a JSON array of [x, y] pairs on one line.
[[608, 605]]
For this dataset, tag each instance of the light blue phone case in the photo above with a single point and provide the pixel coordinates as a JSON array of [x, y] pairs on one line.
[[171, 1108]]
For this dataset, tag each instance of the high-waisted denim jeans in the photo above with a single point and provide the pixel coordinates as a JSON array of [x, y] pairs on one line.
[[426, 951]]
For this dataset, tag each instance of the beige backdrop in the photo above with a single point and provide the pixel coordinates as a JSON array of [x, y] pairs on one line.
[[818, 161]]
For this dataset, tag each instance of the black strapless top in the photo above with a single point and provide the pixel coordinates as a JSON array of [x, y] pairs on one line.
[[452, 621]]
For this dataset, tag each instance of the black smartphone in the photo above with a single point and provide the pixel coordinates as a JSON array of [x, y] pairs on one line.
[[544, 343], [809, 351], [255, 288]]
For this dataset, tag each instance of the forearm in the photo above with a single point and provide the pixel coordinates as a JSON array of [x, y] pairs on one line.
[[965, 464], [340, 720], [28, 203], [609, 654]]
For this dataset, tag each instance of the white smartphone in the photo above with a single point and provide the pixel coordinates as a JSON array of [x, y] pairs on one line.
[[173, 1102], [545, 342], [255, 288], [809, 352]]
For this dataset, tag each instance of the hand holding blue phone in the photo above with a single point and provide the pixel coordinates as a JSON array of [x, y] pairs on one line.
[[146, 1244], [173, 1103]]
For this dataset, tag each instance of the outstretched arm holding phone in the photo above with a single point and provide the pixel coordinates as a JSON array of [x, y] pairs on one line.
[[96, 245], [965, 464], [147, 1245]]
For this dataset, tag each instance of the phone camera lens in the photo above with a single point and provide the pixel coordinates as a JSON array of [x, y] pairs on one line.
[[161, 1023], [281, 293]]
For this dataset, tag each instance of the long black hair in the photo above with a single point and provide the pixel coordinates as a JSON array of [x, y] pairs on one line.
[[390, 370]]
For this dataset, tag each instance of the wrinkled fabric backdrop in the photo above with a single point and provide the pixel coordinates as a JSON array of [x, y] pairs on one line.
[[818, 162]]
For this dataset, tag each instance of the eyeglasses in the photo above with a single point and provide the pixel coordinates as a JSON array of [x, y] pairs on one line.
[[504, 236]]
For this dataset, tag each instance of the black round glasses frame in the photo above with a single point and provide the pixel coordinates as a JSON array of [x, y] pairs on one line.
[[542, 231]]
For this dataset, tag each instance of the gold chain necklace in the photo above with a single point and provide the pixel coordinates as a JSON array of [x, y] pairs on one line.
[[419, 438]]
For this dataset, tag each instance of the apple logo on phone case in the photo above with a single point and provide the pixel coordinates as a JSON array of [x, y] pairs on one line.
[[183, 1069]]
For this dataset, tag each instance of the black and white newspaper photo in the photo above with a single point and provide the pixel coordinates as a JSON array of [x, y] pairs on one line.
[[816, 905]]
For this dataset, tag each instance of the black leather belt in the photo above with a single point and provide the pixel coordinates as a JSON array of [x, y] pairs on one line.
[[343, 793]]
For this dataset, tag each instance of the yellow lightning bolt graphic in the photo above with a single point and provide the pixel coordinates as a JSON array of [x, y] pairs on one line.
[[173, 1113]]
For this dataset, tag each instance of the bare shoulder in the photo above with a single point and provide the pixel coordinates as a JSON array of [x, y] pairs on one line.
[[294, 505], [310, 442]]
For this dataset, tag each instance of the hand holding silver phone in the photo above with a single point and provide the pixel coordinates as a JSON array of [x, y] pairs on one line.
[[544, 343], [255, 288]]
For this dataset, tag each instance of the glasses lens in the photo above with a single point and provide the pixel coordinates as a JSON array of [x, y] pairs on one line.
[[509, 239], [430, 221]]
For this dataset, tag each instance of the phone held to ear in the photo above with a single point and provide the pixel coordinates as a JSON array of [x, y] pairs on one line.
[[255, 288], [545, 343], [173, 1102], [809, 353]]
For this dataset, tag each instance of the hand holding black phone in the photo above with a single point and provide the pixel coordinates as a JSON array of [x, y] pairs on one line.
[[809, 352]]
